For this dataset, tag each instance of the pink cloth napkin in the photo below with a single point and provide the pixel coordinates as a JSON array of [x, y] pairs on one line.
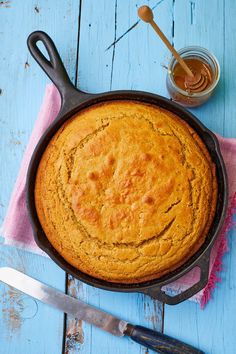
[[16, 227]]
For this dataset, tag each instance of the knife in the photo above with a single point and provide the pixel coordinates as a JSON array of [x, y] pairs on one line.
[[156, 341]]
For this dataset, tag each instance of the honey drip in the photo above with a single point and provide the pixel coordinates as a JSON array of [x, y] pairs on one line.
[[202, 76]]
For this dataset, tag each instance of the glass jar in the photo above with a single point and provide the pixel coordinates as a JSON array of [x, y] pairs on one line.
[[189, 99]]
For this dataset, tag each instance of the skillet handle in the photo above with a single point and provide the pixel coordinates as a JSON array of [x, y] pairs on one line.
[[157, 293], [54, 68]]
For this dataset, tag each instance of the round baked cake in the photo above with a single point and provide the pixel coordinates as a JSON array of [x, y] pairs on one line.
[[126, 191]]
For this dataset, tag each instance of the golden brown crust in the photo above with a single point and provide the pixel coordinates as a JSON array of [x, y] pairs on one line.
[[126, 192]]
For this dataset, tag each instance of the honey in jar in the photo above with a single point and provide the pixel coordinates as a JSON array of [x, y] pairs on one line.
[[193, 91]]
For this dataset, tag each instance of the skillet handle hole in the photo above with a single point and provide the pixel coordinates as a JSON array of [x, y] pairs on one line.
[[182, 284], [189, 284]]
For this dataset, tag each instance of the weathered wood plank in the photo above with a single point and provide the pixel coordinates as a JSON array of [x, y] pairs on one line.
[[211, 24], [27, 326], [80, 336], [126, 65]]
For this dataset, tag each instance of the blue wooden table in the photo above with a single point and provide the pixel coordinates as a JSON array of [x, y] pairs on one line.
[[82, 31]]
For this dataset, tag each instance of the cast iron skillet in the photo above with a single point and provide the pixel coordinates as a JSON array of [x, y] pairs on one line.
[[74, 100]]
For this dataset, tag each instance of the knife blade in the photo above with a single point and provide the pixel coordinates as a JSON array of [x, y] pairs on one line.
[[156, 341], [76, 308]]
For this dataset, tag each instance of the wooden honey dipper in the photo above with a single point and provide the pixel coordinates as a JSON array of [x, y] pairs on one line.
[[194, 81]]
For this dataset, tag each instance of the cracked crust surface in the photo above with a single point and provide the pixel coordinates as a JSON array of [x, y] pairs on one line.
[[126, 191]]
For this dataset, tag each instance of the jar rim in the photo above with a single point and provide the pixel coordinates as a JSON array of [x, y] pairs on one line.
[[209, 55]]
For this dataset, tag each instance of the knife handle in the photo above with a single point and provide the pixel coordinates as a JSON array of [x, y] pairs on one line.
[[159, 342]]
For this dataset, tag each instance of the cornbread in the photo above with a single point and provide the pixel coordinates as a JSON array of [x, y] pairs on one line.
[[126, 191]]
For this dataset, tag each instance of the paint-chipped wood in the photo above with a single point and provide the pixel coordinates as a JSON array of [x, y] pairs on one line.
[[74, 335], [36, 9], [27, 65], [154, 313], [6, 4], [12, 307], [10, 315], [16, 308]]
